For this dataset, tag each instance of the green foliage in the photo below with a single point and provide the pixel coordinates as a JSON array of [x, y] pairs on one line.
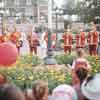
[[88, 10], [28, 61], [23, 73], [95, 64], [65, 58], [23, 77]]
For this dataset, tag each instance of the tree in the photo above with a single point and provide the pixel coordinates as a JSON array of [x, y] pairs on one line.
[[89, 10]]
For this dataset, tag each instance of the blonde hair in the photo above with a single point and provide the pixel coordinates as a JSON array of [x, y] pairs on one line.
[[40, 90]]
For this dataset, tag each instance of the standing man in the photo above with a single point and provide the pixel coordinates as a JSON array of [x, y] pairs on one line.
[[67, 37], [53, 38], [93, 38], [15, 37], [34, 42], [82, 38], [77, 38]]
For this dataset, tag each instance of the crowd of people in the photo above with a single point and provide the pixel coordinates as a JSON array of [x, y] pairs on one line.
[[84, 86]]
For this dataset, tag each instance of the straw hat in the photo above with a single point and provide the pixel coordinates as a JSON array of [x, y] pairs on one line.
[[92, 89]]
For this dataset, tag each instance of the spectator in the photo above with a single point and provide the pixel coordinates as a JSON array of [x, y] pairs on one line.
[[91, 87], [10, 92], [28, 94], [79, 62], [40, 90], [82, 75], [64, 92], [3, 79]]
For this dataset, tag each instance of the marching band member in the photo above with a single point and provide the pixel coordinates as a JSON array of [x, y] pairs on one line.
[[34, 42], [82, 38], [77, 37], [67, 41], [53, 38], [14, 38], [93, 37]]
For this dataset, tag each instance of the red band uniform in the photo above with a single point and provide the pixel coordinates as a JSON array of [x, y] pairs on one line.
[[34, 43], [14, 37], [82, 39], [53, 38], [67, 42], [93, 42], [77, 37]]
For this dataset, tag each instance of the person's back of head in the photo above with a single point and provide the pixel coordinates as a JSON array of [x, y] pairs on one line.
[[80, 53], [3, 79], [10, 92], [82, 74], [28, 94], [40, 90]]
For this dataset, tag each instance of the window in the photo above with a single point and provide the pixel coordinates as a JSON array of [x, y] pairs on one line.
[[17, 2], [28, 2]]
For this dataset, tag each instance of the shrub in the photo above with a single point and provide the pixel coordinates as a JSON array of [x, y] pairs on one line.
[[23, 74], [95, 63], [65, 59], [24, 77]]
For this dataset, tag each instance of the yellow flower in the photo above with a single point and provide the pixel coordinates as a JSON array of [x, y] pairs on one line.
[[23, 79], [19, 78], [31, 77]]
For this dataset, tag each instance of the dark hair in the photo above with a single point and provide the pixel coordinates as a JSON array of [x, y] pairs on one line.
[[86, 99], [81, 74], [39, 90], [10, 92]]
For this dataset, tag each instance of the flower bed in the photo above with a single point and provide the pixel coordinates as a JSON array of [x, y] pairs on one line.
[[93, 60], [23, 73]]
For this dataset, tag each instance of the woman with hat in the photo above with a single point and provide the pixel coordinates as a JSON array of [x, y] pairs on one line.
[[64, 92], [91, 87]]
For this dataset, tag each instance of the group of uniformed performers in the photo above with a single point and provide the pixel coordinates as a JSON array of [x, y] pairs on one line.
[[82, 39], [17, 38]]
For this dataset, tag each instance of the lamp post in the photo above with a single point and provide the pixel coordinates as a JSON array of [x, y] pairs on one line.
[[58, 12], [1, 14], [49, 60]]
